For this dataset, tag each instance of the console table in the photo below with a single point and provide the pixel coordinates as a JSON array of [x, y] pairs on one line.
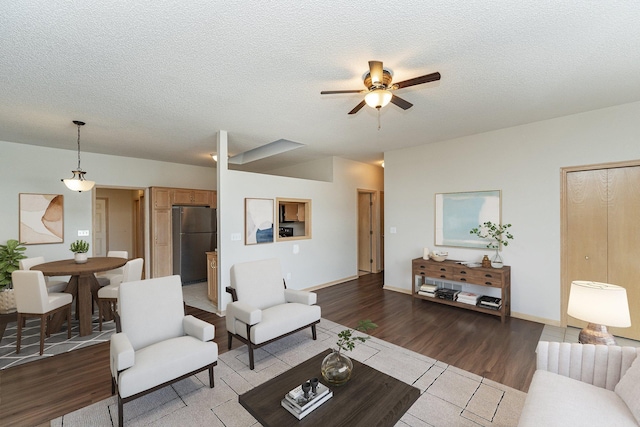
[[453, 271]]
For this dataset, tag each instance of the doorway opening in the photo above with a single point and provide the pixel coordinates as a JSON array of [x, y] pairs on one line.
[[369, 235], [119, 221]]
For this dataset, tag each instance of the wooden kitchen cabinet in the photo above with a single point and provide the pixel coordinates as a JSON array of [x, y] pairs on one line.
[[212, 277], [161, 202], [186, 197]]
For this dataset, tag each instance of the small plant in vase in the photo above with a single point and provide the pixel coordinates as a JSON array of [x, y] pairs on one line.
[[10, 255], [498, 234], [80, 249], [337, 367]]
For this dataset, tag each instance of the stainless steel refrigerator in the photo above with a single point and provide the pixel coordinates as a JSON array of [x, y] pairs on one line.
[[194, 233]]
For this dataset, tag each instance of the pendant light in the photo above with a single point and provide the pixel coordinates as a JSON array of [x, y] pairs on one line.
[[77, 182]]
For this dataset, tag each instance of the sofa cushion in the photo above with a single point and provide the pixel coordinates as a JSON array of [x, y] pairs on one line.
[[556, 400], [165, 361], [280, 320], [629, 388]]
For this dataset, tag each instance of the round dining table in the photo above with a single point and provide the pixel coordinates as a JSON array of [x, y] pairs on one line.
[[82, 285]]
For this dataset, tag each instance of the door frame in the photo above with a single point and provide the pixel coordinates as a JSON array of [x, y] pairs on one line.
[[565, 286]]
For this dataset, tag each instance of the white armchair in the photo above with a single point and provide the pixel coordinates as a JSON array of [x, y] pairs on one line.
[[263, 310], [158, 344]]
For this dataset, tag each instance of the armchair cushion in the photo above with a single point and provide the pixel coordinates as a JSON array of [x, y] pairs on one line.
[[164, 361], [278, 321], [628, 388], [302, 297], [265, 277], [198, 328]]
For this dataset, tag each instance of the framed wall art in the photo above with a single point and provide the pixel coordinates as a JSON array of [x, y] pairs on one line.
[[458, 213], [41, 218], [258, 220]]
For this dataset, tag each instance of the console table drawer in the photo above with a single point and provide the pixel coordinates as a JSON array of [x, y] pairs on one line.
[[480, 277], [434, 270]]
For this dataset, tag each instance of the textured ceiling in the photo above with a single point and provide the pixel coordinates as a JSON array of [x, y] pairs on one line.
[[157, 79]]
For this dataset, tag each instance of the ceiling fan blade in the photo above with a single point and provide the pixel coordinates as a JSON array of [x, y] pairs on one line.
[[405, 105], [328, 92], [357, 107], [375, 71], [418, 80]]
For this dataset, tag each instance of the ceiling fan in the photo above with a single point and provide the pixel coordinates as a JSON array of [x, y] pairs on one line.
[[378, 87]]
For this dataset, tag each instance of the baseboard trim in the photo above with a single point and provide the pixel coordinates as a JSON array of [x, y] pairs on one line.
[[394, 289], [536, 319], [333, 283]]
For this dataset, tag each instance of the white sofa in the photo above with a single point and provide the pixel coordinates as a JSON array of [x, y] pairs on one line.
[[263, 310], [583, 385]]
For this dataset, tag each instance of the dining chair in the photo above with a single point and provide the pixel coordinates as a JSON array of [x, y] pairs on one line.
[[52, 285], [108, 295], [33, 300], [105, 277]]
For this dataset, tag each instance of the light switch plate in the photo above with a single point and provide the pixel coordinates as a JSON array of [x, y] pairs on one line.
[[83, 233], [236, 237]]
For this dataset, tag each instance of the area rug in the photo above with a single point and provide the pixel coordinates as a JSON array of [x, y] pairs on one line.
[[194, 295], [449, 396], [55, 344]]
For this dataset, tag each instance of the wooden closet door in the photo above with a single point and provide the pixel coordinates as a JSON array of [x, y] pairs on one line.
[[586, 229], [624, 241]]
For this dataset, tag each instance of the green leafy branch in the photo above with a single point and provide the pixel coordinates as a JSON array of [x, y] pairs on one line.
[[498, 233], [347, 340]]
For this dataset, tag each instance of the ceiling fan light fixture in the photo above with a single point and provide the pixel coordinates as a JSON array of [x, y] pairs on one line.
[[378, 98], [78, 182]]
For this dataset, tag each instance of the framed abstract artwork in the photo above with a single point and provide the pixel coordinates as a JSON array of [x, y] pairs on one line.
[[258, 220], [41, 218], [458, 213]]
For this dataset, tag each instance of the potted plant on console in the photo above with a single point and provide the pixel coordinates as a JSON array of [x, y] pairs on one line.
[[10, 256], [336, 367], [80, 249], [499, 235]]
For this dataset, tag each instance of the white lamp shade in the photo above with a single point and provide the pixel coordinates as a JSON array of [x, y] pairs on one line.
[[599, 303], [378, 98], [77, 184]]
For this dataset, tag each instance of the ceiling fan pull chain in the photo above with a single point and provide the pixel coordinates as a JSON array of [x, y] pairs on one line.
[[378, 117]]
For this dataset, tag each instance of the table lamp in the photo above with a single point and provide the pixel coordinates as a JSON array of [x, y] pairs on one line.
[[600, 304]]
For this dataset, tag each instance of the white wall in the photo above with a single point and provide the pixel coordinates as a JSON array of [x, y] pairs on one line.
[[33, 169], [524, 162], [329, 256]]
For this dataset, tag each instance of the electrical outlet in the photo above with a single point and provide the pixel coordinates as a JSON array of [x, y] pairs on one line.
[[296, 249], [83, 233], [288, 276], [393, 230]]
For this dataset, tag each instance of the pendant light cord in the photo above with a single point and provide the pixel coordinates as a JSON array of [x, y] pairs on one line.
[[79, 148]]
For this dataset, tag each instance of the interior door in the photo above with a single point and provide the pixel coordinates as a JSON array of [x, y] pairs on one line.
[[365, 232], [602, 235], [624, 241]]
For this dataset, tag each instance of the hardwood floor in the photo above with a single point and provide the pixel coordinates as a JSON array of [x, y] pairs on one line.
[[34, 393]]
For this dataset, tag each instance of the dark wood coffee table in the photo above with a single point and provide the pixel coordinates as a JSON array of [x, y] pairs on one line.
[[370, 398]]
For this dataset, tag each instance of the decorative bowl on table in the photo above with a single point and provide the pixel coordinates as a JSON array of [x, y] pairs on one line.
[[438, 256]]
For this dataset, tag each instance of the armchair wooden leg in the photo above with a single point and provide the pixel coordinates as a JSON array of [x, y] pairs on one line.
[[43, 331], [69, 322], [229, 337], [113, 386], [251, 365], [313, 331], [19, 337], [120, 412], [211, 381]]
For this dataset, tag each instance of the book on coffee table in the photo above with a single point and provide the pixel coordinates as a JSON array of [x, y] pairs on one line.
[[301, 407]]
